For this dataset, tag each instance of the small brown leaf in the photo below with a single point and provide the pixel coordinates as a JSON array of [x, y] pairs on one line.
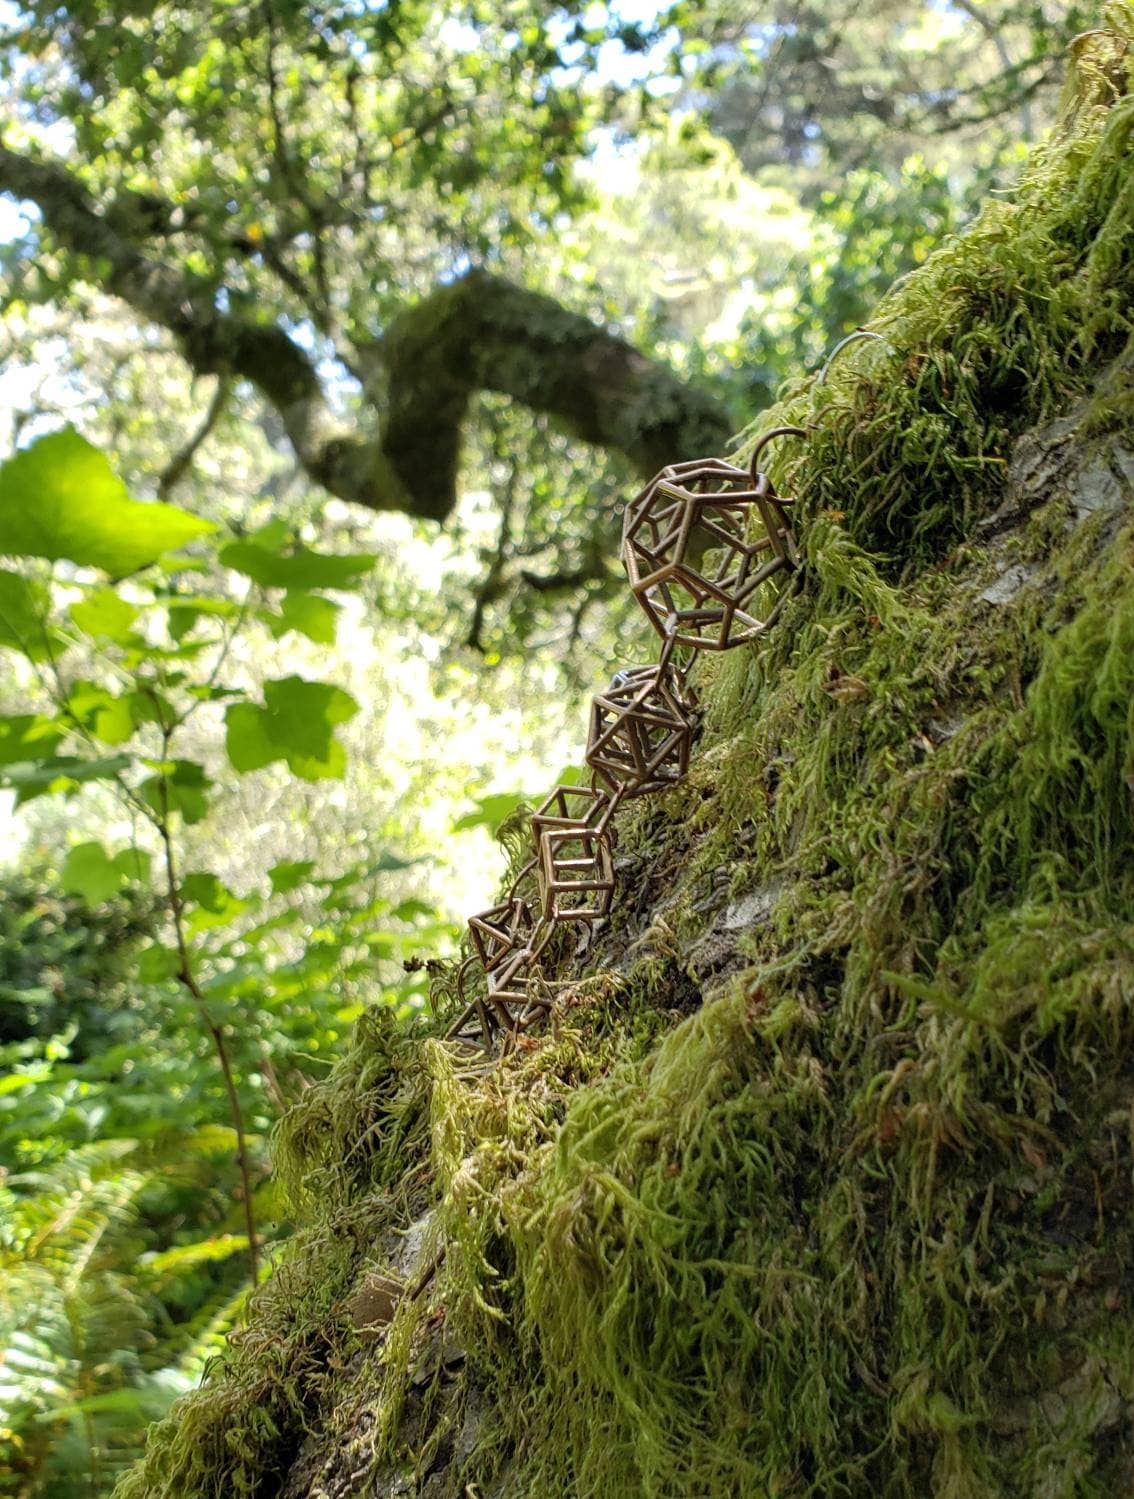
[[847, 689]]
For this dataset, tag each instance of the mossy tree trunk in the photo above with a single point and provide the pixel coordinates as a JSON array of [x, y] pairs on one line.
[[822, 1183]]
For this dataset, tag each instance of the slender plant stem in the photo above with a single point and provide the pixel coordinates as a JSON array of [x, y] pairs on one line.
[[188, 979], [185, 972]]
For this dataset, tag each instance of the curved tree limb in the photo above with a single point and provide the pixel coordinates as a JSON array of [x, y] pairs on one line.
[[484, 333], [479, 333]]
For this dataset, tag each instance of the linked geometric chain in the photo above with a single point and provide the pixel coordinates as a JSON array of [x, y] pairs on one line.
[[707, 549]]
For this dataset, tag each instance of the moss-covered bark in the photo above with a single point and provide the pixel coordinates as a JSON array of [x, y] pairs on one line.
[[483, 333], [822, 1184], [477, 333]]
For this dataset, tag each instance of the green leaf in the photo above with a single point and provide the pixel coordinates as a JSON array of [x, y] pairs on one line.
[[490, 811], [28, 736], [298, 568], [290, 874], [156, 964], [185, 610], [104, 615], [213, 692], [88, 872], [386, 861], [203, 888], [308, 613], [60, 498], [186, 789], [133, 864], [147, 705], [295, 724], [215, 902], [413, 909], [61, 774], [183, 1256], [107, 717], [24, 607]]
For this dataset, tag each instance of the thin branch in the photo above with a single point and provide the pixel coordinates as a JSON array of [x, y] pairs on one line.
[[995, 36], [293, 180], [160, 820], [182, 461], [594, 569], [228, 637]]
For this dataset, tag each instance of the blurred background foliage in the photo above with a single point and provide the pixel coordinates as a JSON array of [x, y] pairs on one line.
[[255, 744]]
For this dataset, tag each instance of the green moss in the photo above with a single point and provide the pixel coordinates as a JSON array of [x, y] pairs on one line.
[[998, 331], [861, 1223], [344, 1152]]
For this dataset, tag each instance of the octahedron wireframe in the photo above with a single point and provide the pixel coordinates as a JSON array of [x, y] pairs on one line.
[[640, 731], [500, 931], [576, 873], [691, 563]]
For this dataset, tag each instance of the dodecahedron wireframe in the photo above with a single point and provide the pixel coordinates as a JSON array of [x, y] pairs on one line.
[[692, 564], [576, 873], [640, 731]]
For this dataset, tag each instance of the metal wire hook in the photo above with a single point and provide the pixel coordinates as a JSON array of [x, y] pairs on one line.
[[763, 441]]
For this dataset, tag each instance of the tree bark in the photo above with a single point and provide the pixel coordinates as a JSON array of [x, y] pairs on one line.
[[479, 333]]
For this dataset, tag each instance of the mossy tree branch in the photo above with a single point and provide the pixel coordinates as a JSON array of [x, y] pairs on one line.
[[484, 333], [479, 333]]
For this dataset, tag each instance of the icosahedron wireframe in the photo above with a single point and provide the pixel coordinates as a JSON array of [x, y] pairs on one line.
[[640, 731]]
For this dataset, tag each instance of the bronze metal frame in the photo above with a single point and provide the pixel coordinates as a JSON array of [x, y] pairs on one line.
[[641, 727], [640, 732]]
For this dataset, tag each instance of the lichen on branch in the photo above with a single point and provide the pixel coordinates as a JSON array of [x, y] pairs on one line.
[[478, 333]]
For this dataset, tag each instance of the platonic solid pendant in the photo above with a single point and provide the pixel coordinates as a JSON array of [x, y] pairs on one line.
[[576, 873], [500, 931], [693, 563], [640, 732]]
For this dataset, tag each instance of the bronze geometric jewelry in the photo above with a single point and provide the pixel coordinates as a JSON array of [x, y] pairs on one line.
[[690, 560], [500, 931], [576, 873], [567, 807], [640, 731], [508, 988], [705, 583], [506, 1007]]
